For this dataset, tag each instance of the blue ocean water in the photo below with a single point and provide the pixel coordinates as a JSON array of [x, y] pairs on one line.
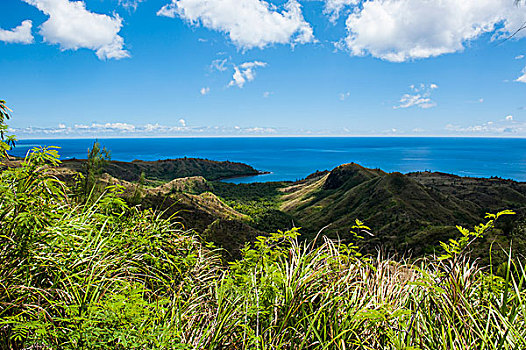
[[292, 158]]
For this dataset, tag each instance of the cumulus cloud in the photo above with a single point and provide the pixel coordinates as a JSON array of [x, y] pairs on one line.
[[122, 127], [519, 57], [420, 97], [258, 130], [245, 73], [205, 91], [333, 8], [72, 26], [248, 23], [182, 122], [21, 34], [505, 126], [401, 30]]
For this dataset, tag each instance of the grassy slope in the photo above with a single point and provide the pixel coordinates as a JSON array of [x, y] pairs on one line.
[[190, 202], [406, 212]]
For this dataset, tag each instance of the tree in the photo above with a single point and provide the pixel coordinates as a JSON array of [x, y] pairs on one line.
[[92, 169]]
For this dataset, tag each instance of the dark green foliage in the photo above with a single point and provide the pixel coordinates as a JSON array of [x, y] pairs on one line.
[[169, 169], [260, 201]]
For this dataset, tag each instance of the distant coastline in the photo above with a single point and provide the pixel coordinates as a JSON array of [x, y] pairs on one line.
[[294, 158], [245, 176]]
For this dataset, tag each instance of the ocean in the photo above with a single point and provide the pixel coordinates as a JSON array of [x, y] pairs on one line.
[[293, 158]]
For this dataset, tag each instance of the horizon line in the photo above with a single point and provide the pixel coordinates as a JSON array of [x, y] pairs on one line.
[[273, 136]]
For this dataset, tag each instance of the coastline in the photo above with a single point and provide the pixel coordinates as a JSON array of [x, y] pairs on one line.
[[290, 159], [244, 176]]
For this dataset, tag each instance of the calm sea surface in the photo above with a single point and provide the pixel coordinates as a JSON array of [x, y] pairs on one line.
[[294, 158]]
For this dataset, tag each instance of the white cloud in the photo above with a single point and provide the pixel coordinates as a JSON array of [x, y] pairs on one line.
[[153, 127], [519, 57], [118, 128], [248, 23], [504, 126], [124, 127], [130, 4], [343, 95], [420, 97], [401, 30], [522, 78], [333, 8], [205, 91], [72, 26], [21, 34], [267, 94], [219, 65], [245, 73]]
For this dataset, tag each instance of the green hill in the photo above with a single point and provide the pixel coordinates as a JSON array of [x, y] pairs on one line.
[[169, 169], [407, 213]]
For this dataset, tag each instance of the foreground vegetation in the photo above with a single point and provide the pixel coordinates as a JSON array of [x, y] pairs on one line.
[[91, 271]]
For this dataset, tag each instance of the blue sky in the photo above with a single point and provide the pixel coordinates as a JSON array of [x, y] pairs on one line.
[[123, 68]]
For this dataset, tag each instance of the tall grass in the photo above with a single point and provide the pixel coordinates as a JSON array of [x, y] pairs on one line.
[[105, 275]]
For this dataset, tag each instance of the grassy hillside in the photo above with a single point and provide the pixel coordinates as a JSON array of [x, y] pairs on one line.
[[190, 202], [407, 213]]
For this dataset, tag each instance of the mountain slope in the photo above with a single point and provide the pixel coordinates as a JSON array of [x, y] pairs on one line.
[[406, 212]]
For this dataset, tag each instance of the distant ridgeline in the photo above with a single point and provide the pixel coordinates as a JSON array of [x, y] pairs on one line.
[[407, 213], [169, 169]]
